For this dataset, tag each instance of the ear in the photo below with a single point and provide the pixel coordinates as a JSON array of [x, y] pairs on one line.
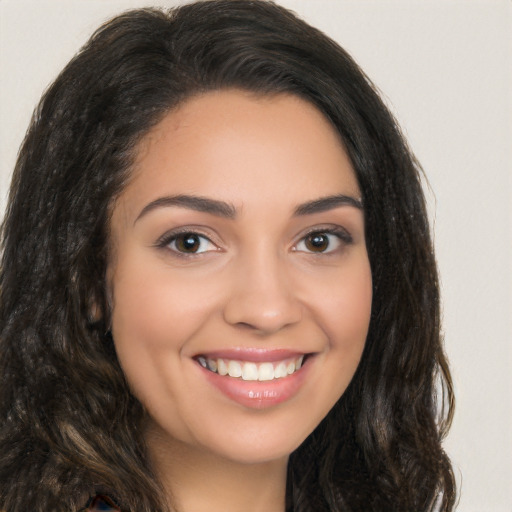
[[95, 314]]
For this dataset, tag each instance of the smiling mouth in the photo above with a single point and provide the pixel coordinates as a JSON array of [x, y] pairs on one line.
[[252, 371]]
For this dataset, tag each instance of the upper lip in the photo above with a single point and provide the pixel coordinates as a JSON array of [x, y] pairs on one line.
[[255, 355]]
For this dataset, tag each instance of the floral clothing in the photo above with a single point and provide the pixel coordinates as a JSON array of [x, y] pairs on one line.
[[101, 504]]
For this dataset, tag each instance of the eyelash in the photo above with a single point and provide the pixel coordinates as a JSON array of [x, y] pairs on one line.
[[343, 237], [169, 238]]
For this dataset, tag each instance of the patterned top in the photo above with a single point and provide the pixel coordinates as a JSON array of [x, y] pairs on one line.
[[101, 504]]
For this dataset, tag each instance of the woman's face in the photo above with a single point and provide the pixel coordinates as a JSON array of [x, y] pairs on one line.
[[239, 274]]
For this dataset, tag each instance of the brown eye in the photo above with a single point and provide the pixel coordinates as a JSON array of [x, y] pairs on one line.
[[190, 243], [323, 242], [317, 242]]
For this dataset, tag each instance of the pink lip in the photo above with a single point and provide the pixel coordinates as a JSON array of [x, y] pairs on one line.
[[254, 355], [256, 394]]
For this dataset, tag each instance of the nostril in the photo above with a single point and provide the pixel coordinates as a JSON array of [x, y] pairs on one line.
[[249, 311], [245, 325]]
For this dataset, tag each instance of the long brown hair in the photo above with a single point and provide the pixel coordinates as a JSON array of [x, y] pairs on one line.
[[69, 426]]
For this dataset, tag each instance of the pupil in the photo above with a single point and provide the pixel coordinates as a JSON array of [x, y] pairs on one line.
[[188, 242], [317, 242]]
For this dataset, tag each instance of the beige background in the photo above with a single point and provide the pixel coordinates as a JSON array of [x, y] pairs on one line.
[[445, 67]]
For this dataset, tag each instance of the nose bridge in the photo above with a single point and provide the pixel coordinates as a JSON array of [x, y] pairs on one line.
[[262, 294]]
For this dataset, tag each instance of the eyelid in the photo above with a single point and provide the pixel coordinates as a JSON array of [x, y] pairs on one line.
[[168, 237], [343, 235]]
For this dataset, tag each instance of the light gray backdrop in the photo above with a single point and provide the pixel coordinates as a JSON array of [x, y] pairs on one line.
[[445, 69]]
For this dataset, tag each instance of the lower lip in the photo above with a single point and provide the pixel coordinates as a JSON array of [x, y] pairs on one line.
[[258, 394]]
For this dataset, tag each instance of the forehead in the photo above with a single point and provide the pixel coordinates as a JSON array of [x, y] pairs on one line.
[[244, 148]]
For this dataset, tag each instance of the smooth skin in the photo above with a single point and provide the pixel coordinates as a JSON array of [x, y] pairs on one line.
[[265, 263]]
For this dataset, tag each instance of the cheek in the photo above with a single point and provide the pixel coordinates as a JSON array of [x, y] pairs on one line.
[[154, 306], [141, 326], [344, 305], [354, 306], [345, 309], [155, 313]]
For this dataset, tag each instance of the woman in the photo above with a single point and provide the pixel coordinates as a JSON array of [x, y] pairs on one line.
[[217, 274]]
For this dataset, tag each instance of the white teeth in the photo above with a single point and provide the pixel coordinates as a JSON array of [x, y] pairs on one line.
[[266, 371], [234, 369], [280, 370], [251, 371], [222, 367]]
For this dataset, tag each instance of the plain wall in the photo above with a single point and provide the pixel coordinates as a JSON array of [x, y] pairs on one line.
[[445, 69]]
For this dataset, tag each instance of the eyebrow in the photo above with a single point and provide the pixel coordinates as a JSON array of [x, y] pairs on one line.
[[198, 203], [327, 203], [228, 211]]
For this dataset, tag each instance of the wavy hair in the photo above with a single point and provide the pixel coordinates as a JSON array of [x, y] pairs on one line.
[[69, 426]]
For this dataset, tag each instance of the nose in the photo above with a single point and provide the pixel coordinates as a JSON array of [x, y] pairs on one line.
[[262, 296]]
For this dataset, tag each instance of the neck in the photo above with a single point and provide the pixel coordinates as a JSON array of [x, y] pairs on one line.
[[200, 481]]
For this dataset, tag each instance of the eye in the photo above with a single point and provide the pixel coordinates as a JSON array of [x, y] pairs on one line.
[[323, 242], [189, 243]]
